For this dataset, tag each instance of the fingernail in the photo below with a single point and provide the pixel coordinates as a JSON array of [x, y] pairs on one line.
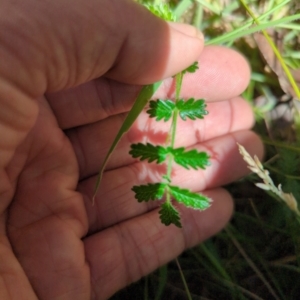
[[188, 30]]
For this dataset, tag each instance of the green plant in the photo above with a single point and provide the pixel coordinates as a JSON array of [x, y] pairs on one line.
[[166, 110], [258, 256]]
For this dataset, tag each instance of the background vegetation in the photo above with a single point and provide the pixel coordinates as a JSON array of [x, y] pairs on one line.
[[257, 256]]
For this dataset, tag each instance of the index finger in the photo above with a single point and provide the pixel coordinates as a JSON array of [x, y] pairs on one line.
[[223, 74]]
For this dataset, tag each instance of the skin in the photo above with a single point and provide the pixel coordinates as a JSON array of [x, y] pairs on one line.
[[69, 72]]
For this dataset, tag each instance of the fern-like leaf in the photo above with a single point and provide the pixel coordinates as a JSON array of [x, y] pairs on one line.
[[192, 109], [190, 159], [189, 199], [151, 191], [148, 152], [169, 215], [161, 110]]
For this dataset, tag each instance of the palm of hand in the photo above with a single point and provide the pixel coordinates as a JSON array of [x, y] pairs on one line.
[[47, 219], [53, 243], [70, 249]]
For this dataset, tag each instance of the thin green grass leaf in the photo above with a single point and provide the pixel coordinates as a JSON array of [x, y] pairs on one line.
[[240, 32], [142, 99], [221, 10], [209, 6], [163, 276], [182, 7], [282, 145], [213, 257], [251, 263], [198, 19], [276, 51], [291, 26], [241, 290]]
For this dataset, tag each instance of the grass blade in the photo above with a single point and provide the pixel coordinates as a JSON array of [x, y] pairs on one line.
[[241, 32], [144, 96], [163, 275], [251, 263], [276, 51], [186, 287]]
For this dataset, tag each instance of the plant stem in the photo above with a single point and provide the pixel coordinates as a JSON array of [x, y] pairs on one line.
[[172, 133], [178, 84]]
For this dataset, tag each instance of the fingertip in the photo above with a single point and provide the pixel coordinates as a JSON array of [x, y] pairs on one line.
[[171, 48], [186, 45], [188, 30], [223, 74]]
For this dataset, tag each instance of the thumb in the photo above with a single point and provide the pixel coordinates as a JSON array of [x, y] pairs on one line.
[[52, 45], [59, 44]]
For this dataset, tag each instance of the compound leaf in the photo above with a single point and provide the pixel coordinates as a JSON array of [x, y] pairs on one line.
[[192, 158], [192, 68], [189, 199], [151, 191], [192, 109], [169, 215], [161, 110]]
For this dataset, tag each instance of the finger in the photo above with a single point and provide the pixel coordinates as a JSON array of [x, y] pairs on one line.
[[125, 252], [55, 45], [223, 73], [115, 201], [91, 142], [46, 219], [217, 79], [52, 45], [67, 45]]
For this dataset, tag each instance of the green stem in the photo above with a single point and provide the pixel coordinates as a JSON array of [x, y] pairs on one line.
[[178, 84], [172, 133]]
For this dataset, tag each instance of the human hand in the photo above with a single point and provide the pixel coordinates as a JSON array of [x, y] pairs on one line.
[[69, 71]]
